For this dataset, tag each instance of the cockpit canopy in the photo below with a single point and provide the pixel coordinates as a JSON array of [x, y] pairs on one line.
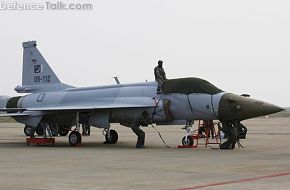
[[189, 86]]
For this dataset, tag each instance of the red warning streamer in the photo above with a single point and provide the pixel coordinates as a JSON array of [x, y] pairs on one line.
[[236, 181]]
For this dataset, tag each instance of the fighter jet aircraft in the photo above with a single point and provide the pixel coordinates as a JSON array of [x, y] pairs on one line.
[[183, 100]]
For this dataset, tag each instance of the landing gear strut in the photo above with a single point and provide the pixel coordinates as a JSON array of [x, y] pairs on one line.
[[231, 131], [75, 136]]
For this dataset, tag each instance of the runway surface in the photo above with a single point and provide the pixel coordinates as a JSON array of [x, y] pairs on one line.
[[263, 164]]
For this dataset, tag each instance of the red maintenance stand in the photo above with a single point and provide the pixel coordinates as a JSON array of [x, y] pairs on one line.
[[39, 141], [205, 129], [211, 131]]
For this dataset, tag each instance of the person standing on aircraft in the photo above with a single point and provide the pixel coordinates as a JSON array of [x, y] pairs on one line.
[[160, 75]]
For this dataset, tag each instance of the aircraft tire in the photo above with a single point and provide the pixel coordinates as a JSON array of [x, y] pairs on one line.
[[39, 130], [63, 131], [74, 138], [28, 130], [188, 142], [113, 138]]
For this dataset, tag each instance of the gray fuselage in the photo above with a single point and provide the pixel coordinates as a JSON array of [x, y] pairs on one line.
[[182, 107]]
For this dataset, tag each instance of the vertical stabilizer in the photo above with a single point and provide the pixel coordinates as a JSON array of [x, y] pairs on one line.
[[35, 68], [37, 74]]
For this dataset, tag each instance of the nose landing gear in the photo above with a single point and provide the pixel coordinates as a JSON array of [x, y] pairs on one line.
[[187, 140]]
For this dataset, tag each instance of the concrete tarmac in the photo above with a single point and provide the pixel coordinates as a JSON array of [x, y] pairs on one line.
[[264, 163]]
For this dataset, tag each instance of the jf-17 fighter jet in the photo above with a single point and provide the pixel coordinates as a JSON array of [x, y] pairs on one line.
[[51, 102]]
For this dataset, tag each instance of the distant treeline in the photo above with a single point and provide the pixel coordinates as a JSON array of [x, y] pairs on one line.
[[285, 113]]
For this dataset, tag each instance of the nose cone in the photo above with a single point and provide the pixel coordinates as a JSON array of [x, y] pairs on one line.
[[237, 108]]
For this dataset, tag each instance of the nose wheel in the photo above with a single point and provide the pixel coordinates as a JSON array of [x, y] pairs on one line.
[[187, 140]]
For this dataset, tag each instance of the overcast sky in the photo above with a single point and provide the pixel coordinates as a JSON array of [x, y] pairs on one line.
[[239, 46]]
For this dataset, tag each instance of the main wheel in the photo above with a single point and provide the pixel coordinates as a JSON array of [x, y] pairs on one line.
[[63, 131], [112, 138], [39, 131], [28, 130], [188, 141], [74, 138]]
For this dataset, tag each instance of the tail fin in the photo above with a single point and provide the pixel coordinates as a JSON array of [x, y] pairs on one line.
[[37, 75]]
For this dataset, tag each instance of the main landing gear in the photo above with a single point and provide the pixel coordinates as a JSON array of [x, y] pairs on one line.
[[111, 136], [74, 138]]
